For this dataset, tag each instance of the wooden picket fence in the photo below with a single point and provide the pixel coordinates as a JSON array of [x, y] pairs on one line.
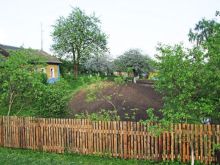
[[113, 138]]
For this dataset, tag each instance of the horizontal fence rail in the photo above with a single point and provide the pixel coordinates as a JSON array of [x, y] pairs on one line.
[[122, 139]]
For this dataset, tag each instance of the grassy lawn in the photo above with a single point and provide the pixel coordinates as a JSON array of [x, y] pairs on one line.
[[27, 157]]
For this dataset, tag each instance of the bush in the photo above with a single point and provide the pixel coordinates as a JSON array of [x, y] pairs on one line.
[[52, 100], [24, 91]]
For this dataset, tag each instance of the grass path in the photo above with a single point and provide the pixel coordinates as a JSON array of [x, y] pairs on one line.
[[27, 157]]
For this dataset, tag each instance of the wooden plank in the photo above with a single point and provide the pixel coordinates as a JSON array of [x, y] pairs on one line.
[[135, 140], [131, 140], [201, 142], [164, 146], [145, 142], [115, 152], [141, 141], [138, 141], [128, 140], [100, 137], [205, 141], [172, 143], [187, 143], [209, 143], [122, 139]]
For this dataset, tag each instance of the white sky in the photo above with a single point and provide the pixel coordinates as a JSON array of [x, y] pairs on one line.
[[128, 23]]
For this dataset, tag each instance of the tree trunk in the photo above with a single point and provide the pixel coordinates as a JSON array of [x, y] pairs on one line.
[[75, 70], [75, 64], [192, 154], [9, 109], [11, 100]]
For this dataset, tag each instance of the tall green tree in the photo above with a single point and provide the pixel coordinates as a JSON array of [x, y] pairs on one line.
[[189, 78], [23, 88], [133, 60], [78, 36], [205, 31], [18, 80], [188, 85]]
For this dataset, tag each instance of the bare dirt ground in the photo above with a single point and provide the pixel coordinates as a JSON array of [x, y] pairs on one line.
[[129, 100]]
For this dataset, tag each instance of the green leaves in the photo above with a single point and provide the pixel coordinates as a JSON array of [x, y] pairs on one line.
[[18, 80], [78, 36], [187, 81], [24, 90], [133, 61]]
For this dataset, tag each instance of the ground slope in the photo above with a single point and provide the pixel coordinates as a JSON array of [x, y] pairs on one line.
[[130, 100]]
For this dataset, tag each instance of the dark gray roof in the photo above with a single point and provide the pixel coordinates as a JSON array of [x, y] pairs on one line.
[[49, 58], [4, 52], [7, 47]]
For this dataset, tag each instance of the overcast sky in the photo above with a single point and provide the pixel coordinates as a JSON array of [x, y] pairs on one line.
[[128, 23]]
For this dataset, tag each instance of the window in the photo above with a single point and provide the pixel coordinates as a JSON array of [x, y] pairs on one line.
[[52, 73]]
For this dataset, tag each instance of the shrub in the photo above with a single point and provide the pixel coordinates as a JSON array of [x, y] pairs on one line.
[[52, 100]]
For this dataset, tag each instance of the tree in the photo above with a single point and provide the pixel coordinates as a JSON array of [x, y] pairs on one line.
[[99, 64], [189, 79], [24, 91], [207, 35], [204, 31], [18, 79], [78, 36], [187, 85], [66, 67], [133, 60]]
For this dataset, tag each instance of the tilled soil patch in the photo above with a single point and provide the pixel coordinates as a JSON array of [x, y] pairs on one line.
[[130, 100]]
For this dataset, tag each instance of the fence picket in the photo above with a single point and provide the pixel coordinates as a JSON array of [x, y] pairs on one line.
[[115, 138]]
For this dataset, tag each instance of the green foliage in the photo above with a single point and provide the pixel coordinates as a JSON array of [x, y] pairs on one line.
[[28, 157], [94, 90], [189, 78], [184, 80], [154, 124], [204, 31], [103, 115], [66, 67], [52, 100], [216, 147], [24, 90], [78, 36], [18, 80], [133, 61], [119, 80]]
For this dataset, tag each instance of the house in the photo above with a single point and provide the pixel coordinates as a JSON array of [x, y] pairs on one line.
[[153, 75], [52, 68]]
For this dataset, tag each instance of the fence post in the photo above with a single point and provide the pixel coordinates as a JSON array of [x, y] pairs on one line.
[[1, 131]]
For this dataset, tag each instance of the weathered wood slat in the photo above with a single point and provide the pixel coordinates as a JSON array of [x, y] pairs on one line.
[[114, 138]]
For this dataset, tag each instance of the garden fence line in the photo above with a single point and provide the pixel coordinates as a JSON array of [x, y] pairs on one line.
[[123, 139]]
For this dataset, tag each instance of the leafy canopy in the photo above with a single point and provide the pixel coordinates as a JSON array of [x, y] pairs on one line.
[[189, 79], [78, 36], [133, 60], [24, 91], [18, 79], [99, 64]]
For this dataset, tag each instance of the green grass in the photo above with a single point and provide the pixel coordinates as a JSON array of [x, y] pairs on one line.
[[28, 157]]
